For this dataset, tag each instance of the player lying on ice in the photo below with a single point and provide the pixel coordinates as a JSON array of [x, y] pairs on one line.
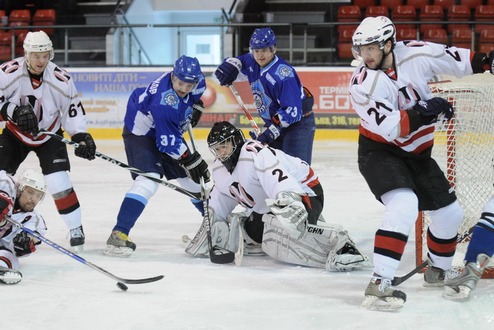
[[284, 199], [18, 202]]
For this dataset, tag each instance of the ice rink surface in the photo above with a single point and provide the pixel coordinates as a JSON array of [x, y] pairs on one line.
[[57, 292]]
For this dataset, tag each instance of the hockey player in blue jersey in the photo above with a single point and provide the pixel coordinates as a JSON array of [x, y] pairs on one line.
[[156, 118], [281, 100], [479, 253]]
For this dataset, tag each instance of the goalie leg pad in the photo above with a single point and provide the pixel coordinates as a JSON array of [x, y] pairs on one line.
[[240, 234], [198, 246], [310, 250], [320, 246], [345, 256]]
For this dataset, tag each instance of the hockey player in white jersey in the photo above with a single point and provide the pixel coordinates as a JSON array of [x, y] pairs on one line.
[[18, 200], [284, 200], [459, 285], [389, 91], [37, 95]]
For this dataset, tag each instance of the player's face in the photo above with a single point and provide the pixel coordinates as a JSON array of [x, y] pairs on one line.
[[264, 56], [182, 88], [29, 198], [372, 55], [37, 62], [223, 150]]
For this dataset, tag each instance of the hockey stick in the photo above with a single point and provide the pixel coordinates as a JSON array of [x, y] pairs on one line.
[[120, 280], [217, 254], [127, 167], [400, 279], [244, 108]]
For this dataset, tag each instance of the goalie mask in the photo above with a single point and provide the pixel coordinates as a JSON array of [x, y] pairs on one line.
[[225, 142]]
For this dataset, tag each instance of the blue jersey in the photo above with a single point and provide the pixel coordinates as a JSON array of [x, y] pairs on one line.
[[277, 89], [158, 112]]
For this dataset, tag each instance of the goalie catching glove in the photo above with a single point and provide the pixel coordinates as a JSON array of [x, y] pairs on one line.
[[24, 244], [195, 166], [290, 211], [86, 148]]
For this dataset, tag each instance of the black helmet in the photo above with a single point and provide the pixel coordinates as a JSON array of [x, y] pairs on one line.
[[220, 133]]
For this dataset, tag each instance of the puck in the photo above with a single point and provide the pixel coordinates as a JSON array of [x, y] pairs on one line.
[[122, 286], [186, 239]]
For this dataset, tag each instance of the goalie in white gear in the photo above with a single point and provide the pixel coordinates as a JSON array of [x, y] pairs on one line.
[[283, 199], [18, 201]]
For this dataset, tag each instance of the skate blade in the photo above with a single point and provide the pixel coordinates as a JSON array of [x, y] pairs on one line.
[[459, 293], [78, 248], [387, 304], [117, 251]]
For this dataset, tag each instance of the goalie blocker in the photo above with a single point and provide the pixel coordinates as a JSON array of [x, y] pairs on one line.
[[320, 246]]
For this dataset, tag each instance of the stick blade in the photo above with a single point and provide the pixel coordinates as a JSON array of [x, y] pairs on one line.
[[142, 280], [221, 256]]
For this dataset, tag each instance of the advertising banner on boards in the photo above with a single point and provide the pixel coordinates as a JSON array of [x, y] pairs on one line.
[[105, 91]]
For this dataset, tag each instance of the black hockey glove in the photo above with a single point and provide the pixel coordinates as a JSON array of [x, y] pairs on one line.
[[429, 110], [228, 71], [26, 119], [6, 204], [195, 166], [86, 148], [197, 110], [24, 244]]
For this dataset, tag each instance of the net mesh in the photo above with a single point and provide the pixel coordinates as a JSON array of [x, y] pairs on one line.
[[464, 149]]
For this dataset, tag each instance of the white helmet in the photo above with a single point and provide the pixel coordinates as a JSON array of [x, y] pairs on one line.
[[373, 29], [38, 42], [33, 179]]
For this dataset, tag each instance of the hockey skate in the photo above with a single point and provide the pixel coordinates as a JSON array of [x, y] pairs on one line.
[[433, 276], [119, 245], [458, 286], [9, 276], [379, 296], [77, 238]]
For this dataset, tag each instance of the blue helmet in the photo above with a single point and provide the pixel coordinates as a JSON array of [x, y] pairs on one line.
[[262, 38], [187, 69]]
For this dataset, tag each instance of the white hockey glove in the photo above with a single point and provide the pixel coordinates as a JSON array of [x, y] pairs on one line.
[[290, 211]]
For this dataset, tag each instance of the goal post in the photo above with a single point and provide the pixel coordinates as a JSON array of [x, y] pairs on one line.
[[464, 149]]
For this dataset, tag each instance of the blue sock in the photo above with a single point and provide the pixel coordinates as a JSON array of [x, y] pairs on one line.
[[130, 210], [481, 242]]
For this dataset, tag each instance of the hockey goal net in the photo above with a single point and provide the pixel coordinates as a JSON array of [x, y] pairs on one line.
[[464, 148]]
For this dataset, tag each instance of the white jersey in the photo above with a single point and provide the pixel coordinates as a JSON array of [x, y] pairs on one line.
[[56, 101], [261, 172], [378, 97]]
